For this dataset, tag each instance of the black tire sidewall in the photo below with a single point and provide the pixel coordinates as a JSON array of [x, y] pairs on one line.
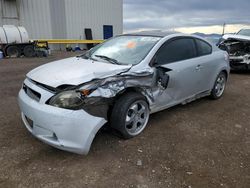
[[27, 51], [119, 112], [11, 49]]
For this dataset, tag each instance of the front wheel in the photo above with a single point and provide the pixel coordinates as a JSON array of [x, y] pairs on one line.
[[130, 115], [219, 86]]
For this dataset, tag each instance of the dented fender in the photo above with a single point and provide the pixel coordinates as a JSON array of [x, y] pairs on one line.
[[108, 89]]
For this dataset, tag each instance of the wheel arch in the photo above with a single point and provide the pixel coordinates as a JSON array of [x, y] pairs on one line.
[[125, 91], [226, 73], [138, 90], [118, 114], [218, 71]]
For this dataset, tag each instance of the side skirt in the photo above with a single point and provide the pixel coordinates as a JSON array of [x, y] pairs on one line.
[[186, 101]]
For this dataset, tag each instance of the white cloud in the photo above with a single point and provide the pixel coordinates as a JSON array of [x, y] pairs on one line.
[[185, 14]]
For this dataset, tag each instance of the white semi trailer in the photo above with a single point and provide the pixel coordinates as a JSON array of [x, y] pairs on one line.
[[14, 41]]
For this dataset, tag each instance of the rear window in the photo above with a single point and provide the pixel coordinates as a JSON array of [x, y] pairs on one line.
[[203, 47]]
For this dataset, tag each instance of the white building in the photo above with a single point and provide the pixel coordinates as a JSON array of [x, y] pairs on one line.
[[64, 19]]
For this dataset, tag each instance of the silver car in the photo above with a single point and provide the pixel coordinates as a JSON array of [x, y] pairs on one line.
[[121, 81]]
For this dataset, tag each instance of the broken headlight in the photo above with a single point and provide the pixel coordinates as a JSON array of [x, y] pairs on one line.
[[68, 99]]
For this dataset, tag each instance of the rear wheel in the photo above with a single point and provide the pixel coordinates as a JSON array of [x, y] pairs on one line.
[[130, 115], [13, 51], [219, 86], [29, 51]]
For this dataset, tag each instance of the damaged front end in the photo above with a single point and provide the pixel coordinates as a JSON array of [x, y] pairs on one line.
[[97, 96], [80, 111], [239, 52]]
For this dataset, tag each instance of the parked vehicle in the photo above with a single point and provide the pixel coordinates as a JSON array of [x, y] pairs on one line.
[[14, 42], [238, 47], [121, 81]]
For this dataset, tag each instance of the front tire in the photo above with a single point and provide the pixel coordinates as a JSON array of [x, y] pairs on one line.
[[130, 115], [219, 86]]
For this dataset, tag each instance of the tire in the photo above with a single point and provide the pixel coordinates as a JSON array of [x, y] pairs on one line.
[[13, 51], [219, 86], [29, 51], [39, 53], [130, 115]]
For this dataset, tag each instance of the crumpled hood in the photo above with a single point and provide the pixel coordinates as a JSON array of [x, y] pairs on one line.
[[74, 71], [238, 37]]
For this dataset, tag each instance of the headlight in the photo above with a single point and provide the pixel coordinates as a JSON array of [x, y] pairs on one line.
[[68, 99], [74, 99]]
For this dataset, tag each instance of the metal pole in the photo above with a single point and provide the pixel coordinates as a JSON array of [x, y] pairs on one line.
[[224, 26]]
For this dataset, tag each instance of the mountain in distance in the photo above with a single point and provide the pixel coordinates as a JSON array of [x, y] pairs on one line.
[[214, 38], [214, 35]]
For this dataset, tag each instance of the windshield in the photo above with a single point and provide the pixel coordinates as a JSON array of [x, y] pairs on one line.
[[123, 50], [245, 32]]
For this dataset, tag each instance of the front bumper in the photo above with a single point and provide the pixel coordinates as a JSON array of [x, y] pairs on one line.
[[65, 129], [240, 59]]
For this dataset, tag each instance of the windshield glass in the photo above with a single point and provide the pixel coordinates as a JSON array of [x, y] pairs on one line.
[[245, 32], [123, 50]]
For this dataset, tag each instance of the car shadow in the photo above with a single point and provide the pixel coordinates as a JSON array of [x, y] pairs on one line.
[[242, 72]]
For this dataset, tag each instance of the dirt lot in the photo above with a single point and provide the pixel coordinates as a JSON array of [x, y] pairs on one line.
[[203, 144]]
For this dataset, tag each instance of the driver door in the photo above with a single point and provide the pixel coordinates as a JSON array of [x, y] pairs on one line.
[[177, 58]]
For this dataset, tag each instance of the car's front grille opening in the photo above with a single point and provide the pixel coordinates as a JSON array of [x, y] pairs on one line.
[[31, 93], [48, 88], [30, 122]]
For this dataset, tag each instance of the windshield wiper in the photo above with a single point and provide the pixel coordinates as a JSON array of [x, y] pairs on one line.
[[109, 59], [85, 56]]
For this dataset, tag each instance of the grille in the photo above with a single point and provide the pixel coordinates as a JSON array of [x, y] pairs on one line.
[[31, 93], [48, 88]]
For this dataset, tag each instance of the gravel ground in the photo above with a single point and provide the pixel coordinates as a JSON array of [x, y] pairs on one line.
[[203, 144]]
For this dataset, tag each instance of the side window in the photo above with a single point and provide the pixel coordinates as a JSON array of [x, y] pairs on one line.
[[176, 50], [203, 48]]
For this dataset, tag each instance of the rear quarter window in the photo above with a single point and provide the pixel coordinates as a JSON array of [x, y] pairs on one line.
[[203, 47]]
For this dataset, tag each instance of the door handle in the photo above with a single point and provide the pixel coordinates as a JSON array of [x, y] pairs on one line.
[[198, 67]]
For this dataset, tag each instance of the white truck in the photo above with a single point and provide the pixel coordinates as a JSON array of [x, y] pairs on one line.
[[14, 42]]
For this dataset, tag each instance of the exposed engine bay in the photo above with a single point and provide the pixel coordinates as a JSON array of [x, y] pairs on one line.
[[238, 48]]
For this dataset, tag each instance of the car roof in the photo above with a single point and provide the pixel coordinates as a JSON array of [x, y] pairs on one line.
[[153, 33], [163, 34]]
